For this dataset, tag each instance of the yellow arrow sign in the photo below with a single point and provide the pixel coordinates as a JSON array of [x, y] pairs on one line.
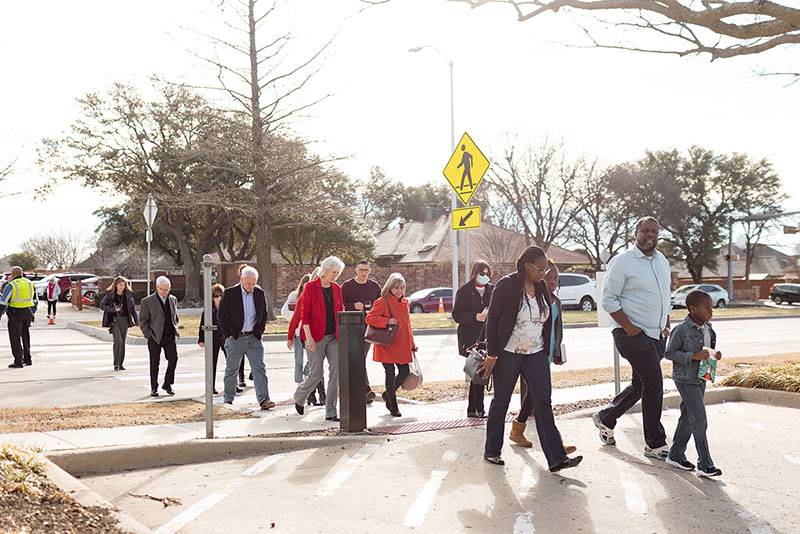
[[466, 218], [466, 168]]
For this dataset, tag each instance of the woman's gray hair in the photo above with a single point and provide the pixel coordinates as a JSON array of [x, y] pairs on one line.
[[163, 280], [331, 264], [394, 280], [249, 272]]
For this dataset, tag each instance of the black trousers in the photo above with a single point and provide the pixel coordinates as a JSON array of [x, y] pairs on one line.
[[475, 402], [19, 334], [535, 368], [51, 308], [215, 348], [644, 354], [171, 355], [394, 381]]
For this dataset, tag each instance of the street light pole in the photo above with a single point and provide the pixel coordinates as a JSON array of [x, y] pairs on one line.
[[453, 198]]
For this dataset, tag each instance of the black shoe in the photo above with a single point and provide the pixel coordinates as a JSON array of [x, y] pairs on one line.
[[251, 376], [116, 367], [15, 366], [154, 393], [121, 368], [168, 389], [239, 390], [566, 463], [472, 415], [27, 362], [480, 415], [300, 409], [396, 413], [228, 402], [334, 418], [215, 392], [496, 460], [684, 464], [709, 473], [242, 384], [312, 399], [370, 396]]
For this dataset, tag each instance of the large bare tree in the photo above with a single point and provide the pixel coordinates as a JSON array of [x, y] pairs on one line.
[[717, 28], [57, 249], [266, 83], [540, 183]]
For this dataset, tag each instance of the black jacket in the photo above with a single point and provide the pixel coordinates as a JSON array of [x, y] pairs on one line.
[[231, 312], [503, 310], [201, 334], [109, 311], [468, 304]]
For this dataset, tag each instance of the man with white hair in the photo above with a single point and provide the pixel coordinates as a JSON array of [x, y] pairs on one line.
[[242, 317], [158, 319]]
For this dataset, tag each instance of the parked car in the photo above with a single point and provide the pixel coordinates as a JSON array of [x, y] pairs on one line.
[[719, 296], [427, 300], [785, 293], [33, 277], [577, 291], [89, 284]]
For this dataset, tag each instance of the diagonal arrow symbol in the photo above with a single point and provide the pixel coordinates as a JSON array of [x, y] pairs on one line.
[[465, 218]]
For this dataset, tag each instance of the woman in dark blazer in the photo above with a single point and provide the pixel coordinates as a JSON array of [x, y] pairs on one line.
[[518, 329], [218, 341], [119, 314], [469, 311]]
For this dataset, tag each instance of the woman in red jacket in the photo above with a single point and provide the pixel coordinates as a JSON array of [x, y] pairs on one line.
[[319, 305], [392, 309]]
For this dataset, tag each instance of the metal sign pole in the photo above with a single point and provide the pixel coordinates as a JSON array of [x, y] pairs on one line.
[[208, 328], [150, 211], [149, 238], [616, 369]]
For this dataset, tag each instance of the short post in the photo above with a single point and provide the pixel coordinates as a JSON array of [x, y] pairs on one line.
[[352, 386], [208, 329]]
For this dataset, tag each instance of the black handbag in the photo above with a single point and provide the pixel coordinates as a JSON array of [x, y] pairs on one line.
[[382, 336]]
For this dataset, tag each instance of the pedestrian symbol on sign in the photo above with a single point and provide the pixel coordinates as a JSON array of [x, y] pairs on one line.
[[466, 162], [465, 169]]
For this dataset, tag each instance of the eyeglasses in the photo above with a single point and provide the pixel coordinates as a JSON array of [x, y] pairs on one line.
[[543, 270]]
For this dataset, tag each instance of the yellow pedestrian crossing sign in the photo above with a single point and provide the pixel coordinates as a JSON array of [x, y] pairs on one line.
[[466, 218], [466, 168]]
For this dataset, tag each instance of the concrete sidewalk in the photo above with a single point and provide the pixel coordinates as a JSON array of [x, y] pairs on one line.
[[283, 419]]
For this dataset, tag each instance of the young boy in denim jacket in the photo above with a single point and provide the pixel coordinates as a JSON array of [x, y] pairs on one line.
[[688, 344]]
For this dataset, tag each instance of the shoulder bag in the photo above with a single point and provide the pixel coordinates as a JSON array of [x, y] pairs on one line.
[[382, 336]]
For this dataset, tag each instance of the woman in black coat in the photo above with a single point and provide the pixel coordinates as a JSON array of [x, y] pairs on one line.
[[518, 331], [218, 342], [119, 314], [469, 311]]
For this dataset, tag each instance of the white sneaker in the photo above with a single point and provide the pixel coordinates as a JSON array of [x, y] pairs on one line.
[[661, 453], [606, 434]]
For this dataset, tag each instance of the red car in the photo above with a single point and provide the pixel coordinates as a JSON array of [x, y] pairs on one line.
[[427, 300]]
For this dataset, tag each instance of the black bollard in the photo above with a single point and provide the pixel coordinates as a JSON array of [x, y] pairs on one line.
[[353, 403]]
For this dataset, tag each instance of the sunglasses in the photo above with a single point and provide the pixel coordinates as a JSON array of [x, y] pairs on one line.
[[543, 270]]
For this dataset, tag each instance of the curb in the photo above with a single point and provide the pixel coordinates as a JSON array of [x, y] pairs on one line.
[[103, 335], [717, 395], [134, 457], [86, 497]]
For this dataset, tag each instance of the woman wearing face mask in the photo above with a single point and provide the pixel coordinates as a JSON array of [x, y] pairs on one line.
[[469, 311], [518, 329], [392, 309]]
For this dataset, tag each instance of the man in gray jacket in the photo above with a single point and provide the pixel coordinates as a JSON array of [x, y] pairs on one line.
[[158, 319]]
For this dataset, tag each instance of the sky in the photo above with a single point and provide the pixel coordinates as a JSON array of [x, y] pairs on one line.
[[514, 82]]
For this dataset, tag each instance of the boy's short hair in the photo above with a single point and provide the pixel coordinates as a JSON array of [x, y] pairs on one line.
[[696, 298]]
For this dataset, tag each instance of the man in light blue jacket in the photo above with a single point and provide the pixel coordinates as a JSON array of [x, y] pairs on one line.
[[636, 294]]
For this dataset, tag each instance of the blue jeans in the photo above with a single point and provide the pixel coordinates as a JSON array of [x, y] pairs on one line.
[[535, 369], [693, 423], [236, 349], [298, 360]]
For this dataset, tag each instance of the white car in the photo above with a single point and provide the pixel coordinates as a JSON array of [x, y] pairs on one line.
[[89, 283], [719, 297], [577, 291]]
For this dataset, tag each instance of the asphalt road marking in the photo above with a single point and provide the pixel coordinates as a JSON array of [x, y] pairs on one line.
[[340, 475], [263, 465], [528, 480], [523, 524], [634, 497], [415, 516]]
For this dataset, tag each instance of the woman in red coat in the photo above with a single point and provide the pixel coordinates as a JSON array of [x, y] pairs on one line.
[[392, 309]]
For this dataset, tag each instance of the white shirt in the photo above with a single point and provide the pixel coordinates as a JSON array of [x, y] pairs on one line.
[[639, 285], [527, 338], [289, 314]]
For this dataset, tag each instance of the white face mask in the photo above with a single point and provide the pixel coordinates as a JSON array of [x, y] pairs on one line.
[[482, 279]]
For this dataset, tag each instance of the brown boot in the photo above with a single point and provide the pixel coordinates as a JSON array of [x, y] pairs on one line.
[[517, 434], [569, 449]]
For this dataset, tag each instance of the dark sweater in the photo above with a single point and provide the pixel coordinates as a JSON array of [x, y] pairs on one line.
[[468, 304], [366, 293], [503, 310]]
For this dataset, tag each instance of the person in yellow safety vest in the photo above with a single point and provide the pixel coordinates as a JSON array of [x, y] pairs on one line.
[[19, 301]]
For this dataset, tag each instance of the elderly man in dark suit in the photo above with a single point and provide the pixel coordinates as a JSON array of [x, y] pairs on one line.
[[158, 319], [242, 318]]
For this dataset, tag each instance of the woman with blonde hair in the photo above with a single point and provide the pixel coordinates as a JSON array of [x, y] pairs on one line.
[[119, 314], [392, 309]]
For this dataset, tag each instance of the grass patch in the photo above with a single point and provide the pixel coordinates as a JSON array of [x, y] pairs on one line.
[[190, 324], [30, 503], [108, 416], [778, 377]]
